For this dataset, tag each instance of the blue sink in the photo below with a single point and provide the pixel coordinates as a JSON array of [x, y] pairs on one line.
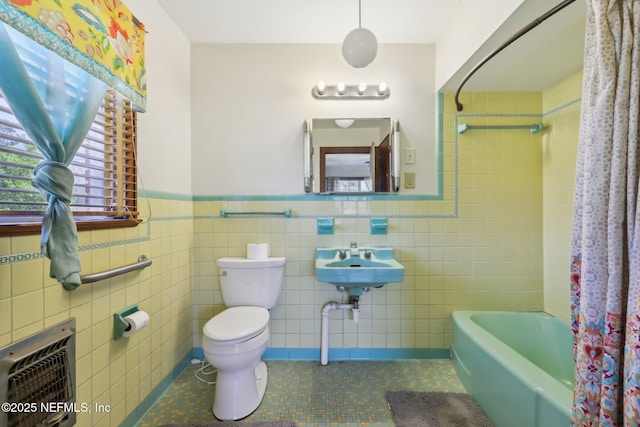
[[355, 269]]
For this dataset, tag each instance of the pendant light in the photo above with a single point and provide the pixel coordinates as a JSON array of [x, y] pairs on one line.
[[360, 46]]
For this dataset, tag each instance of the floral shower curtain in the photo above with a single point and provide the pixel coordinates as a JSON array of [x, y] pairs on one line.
[[606, 231]]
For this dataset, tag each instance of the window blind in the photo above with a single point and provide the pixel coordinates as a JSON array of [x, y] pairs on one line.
[[104, 167]]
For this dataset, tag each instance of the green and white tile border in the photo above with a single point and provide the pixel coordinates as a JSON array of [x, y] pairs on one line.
[[30, 256]]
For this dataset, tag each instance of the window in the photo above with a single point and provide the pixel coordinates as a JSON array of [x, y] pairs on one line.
[[105, 189]]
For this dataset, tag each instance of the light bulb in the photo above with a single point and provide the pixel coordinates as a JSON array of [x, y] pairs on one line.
[[341, 88], [382, 88], [361, 88], [321, 87], [344, 123]]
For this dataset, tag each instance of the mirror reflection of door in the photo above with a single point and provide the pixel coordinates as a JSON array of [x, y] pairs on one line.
[[345, 170], [382, 174], [356, 169], [344, 159]]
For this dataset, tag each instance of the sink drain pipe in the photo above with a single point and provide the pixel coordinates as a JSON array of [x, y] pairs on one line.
[[324, 345]]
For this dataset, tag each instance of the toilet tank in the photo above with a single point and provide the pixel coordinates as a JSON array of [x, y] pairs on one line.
[[253, 282]]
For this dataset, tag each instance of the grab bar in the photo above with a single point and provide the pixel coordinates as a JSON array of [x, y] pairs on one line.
[[225, 213], [143, 262], [535, 128]]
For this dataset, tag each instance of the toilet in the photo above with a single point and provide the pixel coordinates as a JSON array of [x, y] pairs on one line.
[[235, 339]]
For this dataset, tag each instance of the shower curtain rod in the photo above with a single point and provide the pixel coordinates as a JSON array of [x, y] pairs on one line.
[[513, 38]]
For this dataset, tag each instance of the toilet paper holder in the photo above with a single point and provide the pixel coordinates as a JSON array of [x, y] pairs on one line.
[[119, 324]]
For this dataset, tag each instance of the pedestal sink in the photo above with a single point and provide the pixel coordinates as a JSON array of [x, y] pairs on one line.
[[355, 269]]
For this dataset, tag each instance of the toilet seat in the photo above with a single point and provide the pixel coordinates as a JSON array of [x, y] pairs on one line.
[[237, 324]]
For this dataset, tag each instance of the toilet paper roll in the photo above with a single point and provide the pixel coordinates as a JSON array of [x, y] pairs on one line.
[[136, 321], [257, 250]]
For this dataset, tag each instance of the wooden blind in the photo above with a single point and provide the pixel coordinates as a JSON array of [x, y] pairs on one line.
[[104, 167]]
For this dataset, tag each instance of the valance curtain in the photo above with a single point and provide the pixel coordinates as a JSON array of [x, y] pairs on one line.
[[101, 37], [56, 101], [605, 277]]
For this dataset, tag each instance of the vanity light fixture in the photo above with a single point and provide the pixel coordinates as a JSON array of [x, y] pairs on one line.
[[360, 46], [349, 91]]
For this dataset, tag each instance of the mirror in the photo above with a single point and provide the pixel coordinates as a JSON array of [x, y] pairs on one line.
[[351, 155]]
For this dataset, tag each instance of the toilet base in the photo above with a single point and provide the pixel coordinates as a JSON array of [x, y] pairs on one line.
[[238, 394]]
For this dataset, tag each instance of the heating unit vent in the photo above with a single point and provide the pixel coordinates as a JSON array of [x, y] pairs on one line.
[[37, 379]]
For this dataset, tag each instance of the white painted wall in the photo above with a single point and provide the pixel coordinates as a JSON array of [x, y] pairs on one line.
[[164, 130], [472, 24], [249, 103]]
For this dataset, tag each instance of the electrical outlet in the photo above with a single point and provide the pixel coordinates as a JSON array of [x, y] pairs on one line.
[[409, 180], [409, 156]]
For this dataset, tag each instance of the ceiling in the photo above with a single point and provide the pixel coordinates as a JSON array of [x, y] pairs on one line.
[[545, 55], [549, 53], [308, 21]]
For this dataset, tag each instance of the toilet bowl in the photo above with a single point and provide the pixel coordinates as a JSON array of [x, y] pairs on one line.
[[235, 339], [233, 342]]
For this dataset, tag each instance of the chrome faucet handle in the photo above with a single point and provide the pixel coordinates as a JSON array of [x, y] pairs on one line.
[[354, 245], [367, 254], [342, 254]]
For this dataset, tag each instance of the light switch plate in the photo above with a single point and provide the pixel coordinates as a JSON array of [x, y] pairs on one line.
[[409, 156], [409, 180]]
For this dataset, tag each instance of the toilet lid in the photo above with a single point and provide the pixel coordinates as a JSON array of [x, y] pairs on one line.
[[236, 323]]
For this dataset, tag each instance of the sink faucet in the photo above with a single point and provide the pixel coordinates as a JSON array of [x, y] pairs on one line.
[[354, 248]]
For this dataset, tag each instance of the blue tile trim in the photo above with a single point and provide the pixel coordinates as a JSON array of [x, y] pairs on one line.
[[315, 197], [138, 413], [562, 107], [360, 197], [501, 115], [335, 354], [13, 258], [163, 195], [440, 136], [342, 354]]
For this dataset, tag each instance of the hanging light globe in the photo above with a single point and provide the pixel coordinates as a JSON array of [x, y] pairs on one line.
[[360, 47]]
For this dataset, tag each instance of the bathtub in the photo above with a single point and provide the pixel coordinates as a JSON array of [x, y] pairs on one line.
[[517, 366]]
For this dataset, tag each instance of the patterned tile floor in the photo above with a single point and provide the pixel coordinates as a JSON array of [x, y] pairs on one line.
[[340, 394]]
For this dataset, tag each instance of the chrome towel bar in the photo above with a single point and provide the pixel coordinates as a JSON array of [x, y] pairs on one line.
[[534, 128], [225, 213]]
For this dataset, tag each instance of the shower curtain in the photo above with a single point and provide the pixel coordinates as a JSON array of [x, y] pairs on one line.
[[605, 276]]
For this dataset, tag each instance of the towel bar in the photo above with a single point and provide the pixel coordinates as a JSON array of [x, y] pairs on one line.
[[534, 128], [225, 213]]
